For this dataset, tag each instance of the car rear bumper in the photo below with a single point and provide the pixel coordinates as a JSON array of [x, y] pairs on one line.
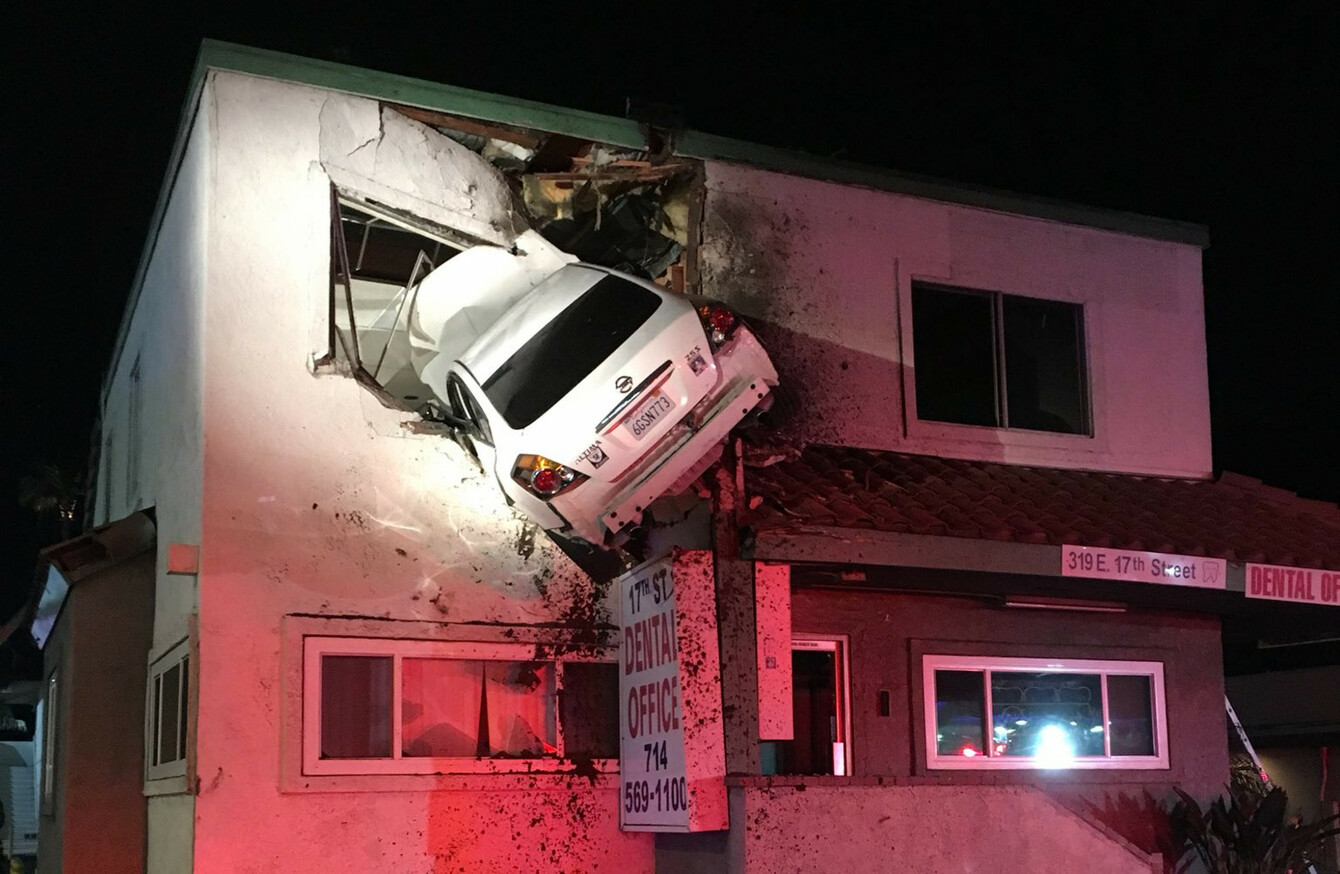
[[747, 377]]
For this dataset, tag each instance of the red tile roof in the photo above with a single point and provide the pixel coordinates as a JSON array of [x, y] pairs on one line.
[[1236, 518]]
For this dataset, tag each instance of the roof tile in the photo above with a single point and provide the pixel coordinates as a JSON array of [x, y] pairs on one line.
[[1235, 517]]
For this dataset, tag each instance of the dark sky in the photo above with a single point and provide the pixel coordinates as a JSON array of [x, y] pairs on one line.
[[1217, 117]]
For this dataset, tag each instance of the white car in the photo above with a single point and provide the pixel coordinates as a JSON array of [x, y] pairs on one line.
[[595, 393]]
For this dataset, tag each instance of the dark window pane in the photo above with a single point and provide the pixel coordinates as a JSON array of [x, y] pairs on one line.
[[954, 335], [355, 707], [1054, 717], [590, 709], [567, 349], [158, 719], [1130, 712], [381, 251], [185, 708], [169, 711], [959, 702], [1044, 366]]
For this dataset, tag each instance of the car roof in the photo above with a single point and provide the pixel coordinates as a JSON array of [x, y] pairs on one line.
[[540, 305]]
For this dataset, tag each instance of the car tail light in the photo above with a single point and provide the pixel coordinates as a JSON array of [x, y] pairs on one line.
[[718, 322], [544, 478]]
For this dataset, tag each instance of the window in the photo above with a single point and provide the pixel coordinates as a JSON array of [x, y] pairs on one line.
[[416, 707], [377, 261], [133, 493], [819, 697], [167, 711], [549, 364], [999, 360], [1043, 713], [50, 738]]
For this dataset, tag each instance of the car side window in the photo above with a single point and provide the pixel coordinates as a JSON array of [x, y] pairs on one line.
[[466, 409]]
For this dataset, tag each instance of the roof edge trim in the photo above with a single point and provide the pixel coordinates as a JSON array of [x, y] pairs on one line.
[[857, 546], [217, 55], [708, 147]]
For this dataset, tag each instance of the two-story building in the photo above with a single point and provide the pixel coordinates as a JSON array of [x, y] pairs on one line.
[[969, 569]]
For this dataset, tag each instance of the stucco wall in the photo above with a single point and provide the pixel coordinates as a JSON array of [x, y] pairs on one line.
[[99, 650], [889, 632], [860, 829], [165, 336], [318, 500], [827, 270]]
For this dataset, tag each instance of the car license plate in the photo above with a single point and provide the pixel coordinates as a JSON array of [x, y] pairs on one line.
[[651, 411]]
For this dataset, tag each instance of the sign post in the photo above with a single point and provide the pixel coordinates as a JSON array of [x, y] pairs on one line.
[[671, 750]]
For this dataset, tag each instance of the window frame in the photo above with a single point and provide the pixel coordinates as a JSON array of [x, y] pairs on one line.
[[1102, 667], [178, 655], [51, 714], [918, 426], [134, 490], [840, 646], [315, 646]]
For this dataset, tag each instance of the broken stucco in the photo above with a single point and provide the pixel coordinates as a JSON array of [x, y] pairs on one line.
[[382, 156]]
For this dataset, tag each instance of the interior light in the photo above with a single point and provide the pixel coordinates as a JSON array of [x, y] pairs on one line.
[[1097, 729], [1054, 747], [969, 752]]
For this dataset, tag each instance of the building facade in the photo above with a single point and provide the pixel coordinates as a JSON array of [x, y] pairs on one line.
[[976, 388]]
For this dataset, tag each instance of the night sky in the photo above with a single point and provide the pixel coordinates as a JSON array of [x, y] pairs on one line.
[[1216, 117]]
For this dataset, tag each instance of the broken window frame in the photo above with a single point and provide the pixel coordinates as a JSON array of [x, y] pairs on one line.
[[338, 347], [315, 648], [1104, 668]]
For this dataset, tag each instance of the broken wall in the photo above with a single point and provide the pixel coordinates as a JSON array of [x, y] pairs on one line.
[[322, 504], [825, 270]]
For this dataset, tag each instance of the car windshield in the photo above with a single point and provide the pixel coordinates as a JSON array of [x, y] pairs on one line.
[[563, 352]]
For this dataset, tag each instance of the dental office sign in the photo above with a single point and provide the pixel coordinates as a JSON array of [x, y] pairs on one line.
[[1296, 584], [671, 751], [1143, 567]]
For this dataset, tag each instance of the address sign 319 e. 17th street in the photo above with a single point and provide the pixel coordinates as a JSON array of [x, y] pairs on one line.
[[1143, 567]]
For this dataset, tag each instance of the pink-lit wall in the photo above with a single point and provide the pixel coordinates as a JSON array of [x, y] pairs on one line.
[[860, 828], [826, 271], [889, 632], [96, 821], [318, 501]]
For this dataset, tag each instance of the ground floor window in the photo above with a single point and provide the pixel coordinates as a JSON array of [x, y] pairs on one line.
[[819, 690], [374, 706], [167, 713], [986, 712]]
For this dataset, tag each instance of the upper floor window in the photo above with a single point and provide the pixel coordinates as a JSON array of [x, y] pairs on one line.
[[999, 360], [984, 712], [386, 706]]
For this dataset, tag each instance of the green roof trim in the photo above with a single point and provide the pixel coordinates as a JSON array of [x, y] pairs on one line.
[[215, 55], [690, 144]]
